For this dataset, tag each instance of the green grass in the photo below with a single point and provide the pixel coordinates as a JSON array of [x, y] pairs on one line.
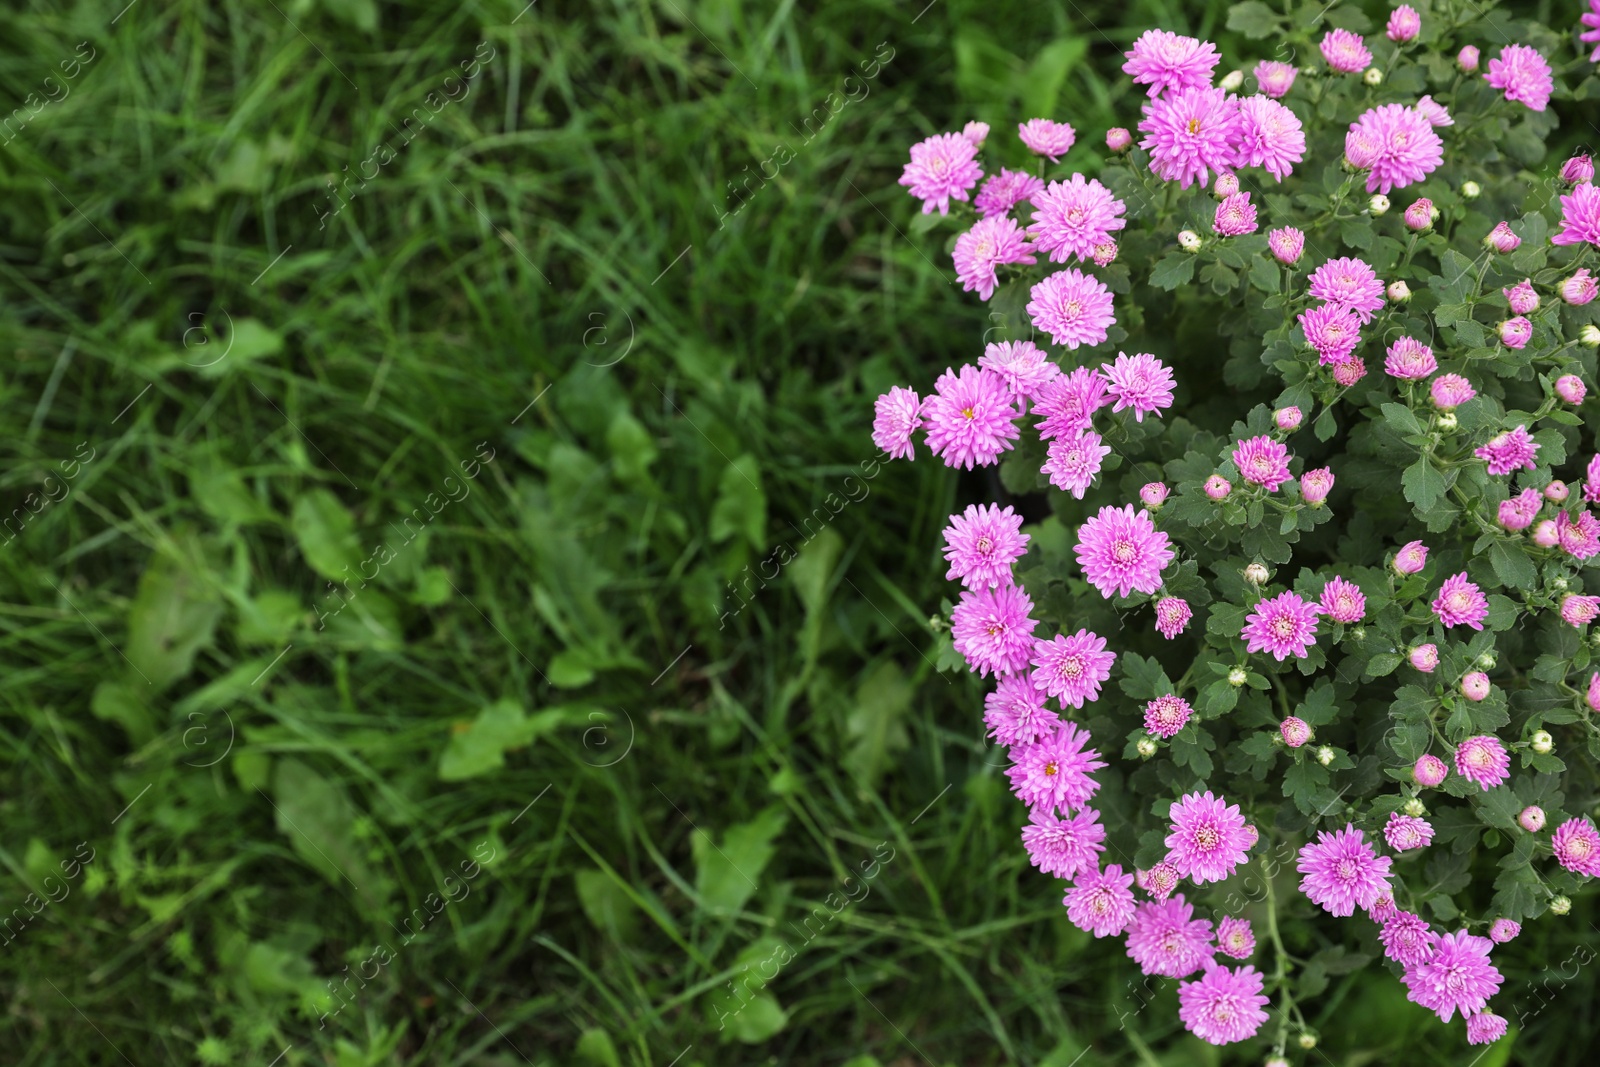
[[655, 766]]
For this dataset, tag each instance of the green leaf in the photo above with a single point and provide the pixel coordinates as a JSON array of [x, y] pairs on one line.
[[251, 340], [174, 615], [326, 532], [1512, 566], [726, 875], [1175, 269], [1401, 419], [741, 506], [758, 1020], [607, 904], [317, 819], [813, 568], [480, 746], [1253, 19], [1423, 484], [1305, 783], [1048, 72], [874, 727], [1265, 275], [595, 1048], [362, 14]]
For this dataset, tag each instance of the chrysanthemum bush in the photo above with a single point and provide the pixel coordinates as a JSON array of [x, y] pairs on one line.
[[1310, 658]]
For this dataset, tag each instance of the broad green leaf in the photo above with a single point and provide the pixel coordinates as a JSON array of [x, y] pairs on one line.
[[316, 818], [596, 1049], [741, 506], [250, 340], [607, 904], [1423, 484], [758, 1020], [1175, 269], [327, 535], [727, 874], [1253, 19], [480, 746], [1512, 566], [173, 617]]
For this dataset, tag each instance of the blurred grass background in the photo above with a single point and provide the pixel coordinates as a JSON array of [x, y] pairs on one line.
[[451, 611]]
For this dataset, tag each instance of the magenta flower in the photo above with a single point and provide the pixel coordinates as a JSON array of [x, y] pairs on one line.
[[1407, 938], [1295, 731], [1164, 60], [992, 630], [1159, 881], [1154, 494], [1022, 364], [1450, 391], [1461, 603], [942, 169], [1016, 713], [1578, 538], [1516, 332], [1524, 76], [981, 544], [1275, 79], [1425, 658], [992, 243], [1522, 298], [1436, 113], [1288, 419], [1166, 715], [1577, 847], [1140, 382], [1579, 610], [1411, 558], [1404, 24], [1063, 847], [1071, 218], [1046, 137], [1347, 371], [1341, 872], [970, 418], [1005, 190], [1223, 1005], [1315, 485], [1052, 774], [1072, 668], [1419, 216], [1502, 238], [1074, 461], [1531, 818], [1503, 930], [1207, 839], [1407, 832], [1283, 625], [1456, 977], [1190, 133], [1345, 51], [1429, 771], [1475, 686], [1519, 512], [1286, 244], [1235, 216], [1350, 285], [1485, 1028], [1101, 902], [1591, 19], [1580, 216], [1410, 360], [1333, 331], [896, 415], [1342, 601], [1383, 909], [1395, 145], [1581, 288], [1235, 938], [1483, 760], [1172, 616], [1067, 404], [1578, 168], [1262, 461], [1570, 388], [1118, 139], [1270, 137], [1510, 451], [1121, 550], [1072, 307], [1217, 487], [1165, 939]]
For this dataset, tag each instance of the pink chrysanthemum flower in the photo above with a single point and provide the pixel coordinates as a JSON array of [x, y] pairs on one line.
[[1120, 550], [982, 543], [1159, 881], [1072, 668], [1172, 616], [1191, 133], [1523, 75], [1154, 494], [1101, 902], [1580, 537], [1429, 771], [1460, 602], [1503, 930], [1519, 512], [992, 630], [1072, 307], [1284, 625], [989, 245], [1046, 137], [1342, 872], [1016, 713], [1407, 938], [1425, 658], [1347, 371], [1235, 938], [1411, 558], [1139, 382], [970, 418], [1295, 731], [1570, 388], [1345, 51], [1503, 239], [1581, 288], [1404, 24], [1270, 137], [1286, 244], [1275, 79], [1333, 331], [1063, 847], [1262, 461], [1003, 191], [942, 169], [1223, 1005], [1591, 19], [1576, 844], [1067, 404], [1052, 774], [1207, 838], [1410, 360], [1436, 113], [1580, 216], [1315, 485], [1165, 939], [1342, 601], [896, 415], [1022, 364], [1456, 977], [1073, 217], [1235, 216], [1483, 760], [1164, 60], [1217, 487], [1579, 610], [1166, 715], [1450, 391], [1407, 832], [1516, 332], [1522, 298], [1383, 909], [1397, 147], [1510, 451], [1348, 284], [1485, 1028], [1074, 462]]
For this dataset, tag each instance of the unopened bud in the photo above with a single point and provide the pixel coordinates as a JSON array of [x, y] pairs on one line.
[[1325, 755], [1446, 421], [1232, 80], [1560, 905], [1415, 808], [1256, 574], [1237, 677], [1471, 190], [1542, 742], [1146, 747], [1308, 1040], [1372, 76], [1590, 334], [1189, 241], [1399, 292], [1378, 204]]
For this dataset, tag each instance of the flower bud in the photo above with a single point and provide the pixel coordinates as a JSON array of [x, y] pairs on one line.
[[1217, 487], [1419, 216], [1104, 253], [1276, 1061], [1288, 419], [1487, 661], [1560, 905], [1446, 421], [1450, 391], [1404, 24], [1378, 204], [1467, 58], [1232, 80], [1237, 677], [1425, 657], [1154, 494], [1429, 771], [1399, 291], [1522, 297], [1118, 139], [1579, 610], [1189, 241], [1541, 742], [1226, 186], [1356, 633], [1581, 288], [1415, 808], [1315, 485], [1411, 558], [1372, 76], [1503, 930], [1349, 371], [1295, 731], [1590, 334], [1580, 168], [1516, 332], [1545, 535], [1256, 574], [976, 132], [1556, 491], [1475, 686], [1559, 584], [1286, 244], [1532, 818], [1592, 698], [1470, 190], [1501, 239], [1570, 387], [1145, 747], [1325, 755], [1307, 1040]]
